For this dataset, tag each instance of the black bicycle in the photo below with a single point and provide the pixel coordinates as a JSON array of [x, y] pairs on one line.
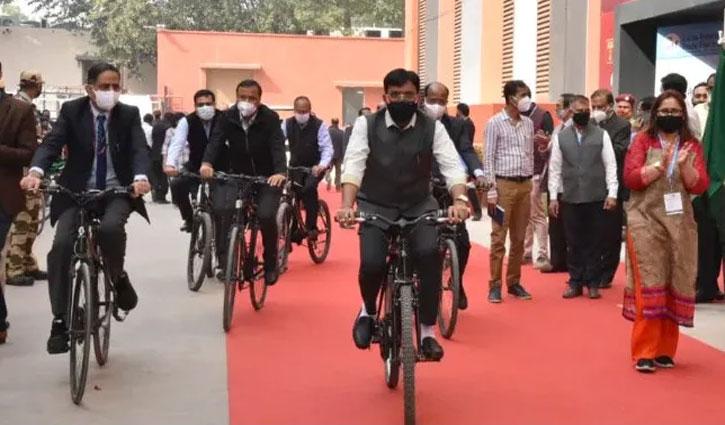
[[200, 263], [291, 223], [245, 259], [92, 293], [397, 326], [451, 283]]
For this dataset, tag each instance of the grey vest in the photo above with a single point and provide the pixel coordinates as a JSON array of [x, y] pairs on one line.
[[582, 168], [398, 168]]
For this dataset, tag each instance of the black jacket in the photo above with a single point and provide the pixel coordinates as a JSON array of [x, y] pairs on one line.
[[258, 152], [620, 131], [471, 127], [76, 130], [337, 136], [158, 135], [458, 131]]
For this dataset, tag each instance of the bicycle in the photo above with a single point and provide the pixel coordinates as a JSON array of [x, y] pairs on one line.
[[45, 199], [448, 241], [245, 264], [90, 308], [289, 218], [398, 307], [200, 261]]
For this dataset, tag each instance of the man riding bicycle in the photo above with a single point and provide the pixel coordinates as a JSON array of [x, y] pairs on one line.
[[310, 146], [388, 167], [106, 149], [256, 148]]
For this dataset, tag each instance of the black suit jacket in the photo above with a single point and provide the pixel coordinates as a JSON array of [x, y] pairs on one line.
[[471, 127], [75, 128], [620, 131], [458, 131], [337, 136]]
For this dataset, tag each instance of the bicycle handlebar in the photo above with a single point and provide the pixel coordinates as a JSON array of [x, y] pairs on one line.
[[306, 170], [240, 177], [88, 195], [437, 217]]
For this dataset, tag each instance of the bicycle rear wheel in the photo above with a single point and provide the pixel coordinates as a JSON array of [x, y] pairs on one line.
[[199, 251], [390, 338], [320, 247], [80, 319], [233, 274], [450, 287], [408, 349], [283, 244], [257, 283], [103, 297]]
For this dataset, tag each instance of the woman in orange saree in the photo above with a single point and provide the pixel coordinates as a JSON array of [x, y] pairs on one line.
[[664, 165]]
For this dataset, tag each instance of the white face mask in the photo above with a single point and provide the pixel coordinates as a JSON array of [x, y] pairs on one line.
[[247, 109], [599, 115], [434, 110], [106, 99], [524, 104], [205, 112], [302, 118]]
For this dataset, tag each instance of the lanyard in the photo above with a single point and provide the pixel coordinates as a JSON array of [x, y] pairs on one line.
[[673, 160]]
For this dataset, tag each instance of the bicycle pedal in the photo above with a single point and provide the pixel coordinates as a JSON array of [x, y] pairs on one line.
[[120, 315]]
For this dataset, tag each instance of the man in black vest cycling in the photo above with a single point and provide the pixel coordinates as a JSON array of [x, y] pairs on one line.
[[388, 166], [194, 129], [310, 146]]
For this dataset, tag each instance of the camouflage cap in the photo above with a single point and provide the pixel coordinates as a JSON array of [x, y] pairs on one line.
[[33, 77]]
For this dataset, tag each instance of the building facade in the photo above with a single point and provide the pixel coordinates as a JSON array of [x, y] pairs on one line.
[[338, 74]]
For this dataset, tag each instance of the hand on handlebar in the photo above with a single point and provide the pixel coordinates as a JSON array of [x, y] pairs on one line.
[[317, 170], [206, 171], [140, 188], [346, 217], [458, 212], [31, 182], [276, 180], [170, 171]]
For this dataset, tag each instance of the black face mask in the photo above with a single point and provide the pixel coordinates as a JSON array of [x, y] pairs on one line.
[[670, 124], [402, 112], [581, 118]]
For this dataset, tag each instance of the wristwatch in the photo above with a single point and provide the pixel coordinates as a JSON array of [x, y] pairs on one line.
[[462, 198]]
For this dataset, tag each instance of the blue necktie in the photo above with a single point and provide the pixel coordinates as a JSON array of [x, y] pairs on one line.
[[101, 147]]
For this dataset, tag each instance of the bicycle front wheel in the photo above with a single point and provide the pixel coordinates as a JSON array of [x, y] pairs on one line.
[[408, 349], [199, 251], [103, 301], [450, 287], [80, 319], [233, 274], [283, 243], [320, 247], [257, 283]]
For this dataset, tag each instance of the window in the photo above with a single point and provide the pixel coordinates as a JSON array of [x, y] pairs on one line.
[[543, 46], [457, 34], [507, 68], [422, 17]]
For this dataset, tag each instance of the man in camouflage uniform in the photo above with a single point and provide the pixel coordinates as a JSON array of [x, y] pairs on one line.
[[21, 266]]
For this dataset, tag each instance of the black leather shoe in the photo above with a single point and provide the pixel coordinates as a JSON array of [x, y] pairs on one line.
[[494, 295], [720, 296], [462, 299], [431, 349], [38, 274], [271, 276], [700, 297], [665, 362], [645, 366], [573, 291], [187, 226], [594, 292], [126, 298], [605, 285], [362, 331], [519, 292], [58, 341], [20, 280]]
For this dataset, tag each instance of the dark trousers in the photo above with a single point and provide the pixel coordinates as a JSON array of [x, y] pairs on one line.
[[611, 242], [111, 238], [159, 181], [423, 245], [583, 224], [709, 249], [6, 220], [557, 243], [224, 197], [337, 165], [475, 202], [310, 200], [182, 188]]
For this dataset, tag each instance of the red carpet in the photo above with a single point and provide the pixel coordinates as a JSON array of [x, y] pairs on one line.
[[543, 361]]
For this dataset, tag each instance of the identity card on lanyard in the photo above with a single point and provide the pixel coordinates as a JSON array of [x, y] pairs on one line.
[[673, 200]]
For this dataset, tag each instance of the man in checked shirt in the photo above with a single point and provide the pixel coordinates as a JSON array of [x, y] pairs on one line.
[[509, 164]]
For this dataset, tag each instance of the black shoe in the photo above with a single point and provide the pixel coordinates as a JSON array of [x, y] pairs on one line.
[[477, 217], [594, 292], [58, 341], [573, 291], [645, 366], [720, 296], [20, 280], [187, 226], [220, 274], [605, 285], [462, 299], [162, 201], [519, 292], [362, 331], [431, 349], [313, 234], [494, 295], [700, 297], [665, 362], [126, 298], [37, 274], [271, 276]]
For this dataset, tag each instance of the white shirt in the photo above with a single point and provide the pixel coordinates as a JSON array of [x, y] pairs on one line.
[[610, 166], [147, 129], [509, 148], [702, 111], [695, 125], [178, 150], [358, 149]]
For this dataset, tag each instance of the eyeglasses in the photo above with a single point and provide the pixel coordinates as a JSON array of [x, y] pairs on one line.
[[669, 112], [200, 104], [400, 96]]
